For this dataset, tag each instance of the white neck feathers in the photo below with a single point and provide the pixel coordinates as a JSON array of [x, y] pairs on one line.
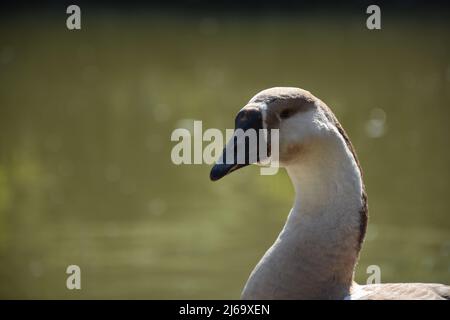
[[315, 254]]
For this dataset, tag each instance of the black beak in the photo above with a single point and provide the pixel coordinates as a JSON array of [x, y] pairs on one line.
[[247, 118]]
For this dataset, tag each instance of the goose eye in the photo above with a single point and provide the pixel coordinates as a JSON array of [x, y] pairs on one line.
[[286, 113]]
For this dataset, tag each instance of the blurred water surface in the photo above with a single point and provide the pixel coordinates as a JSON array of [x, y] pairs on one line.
[[85, 170]]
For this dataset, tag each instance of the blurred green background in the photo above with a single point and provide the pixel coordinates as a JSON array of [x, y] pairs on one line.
[[85, 171]]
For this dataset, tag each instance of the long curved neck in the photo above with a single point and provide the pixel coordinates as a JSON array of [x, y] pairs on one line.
[[316, 252]]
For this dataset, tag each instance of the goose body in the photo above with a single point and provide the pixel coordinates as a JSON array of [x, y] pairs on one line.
[[316, 252]]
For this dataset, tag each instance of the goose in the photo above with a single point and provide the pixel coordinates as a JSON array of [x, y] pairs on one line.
[[315, 254]]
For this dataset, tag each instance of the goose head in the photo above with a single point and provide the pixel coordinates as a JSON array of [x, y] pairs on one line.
[[303, 121]]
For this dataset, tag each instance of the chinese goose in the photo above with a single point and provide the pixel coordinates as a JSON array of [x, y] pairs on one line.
[[315, 254]]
